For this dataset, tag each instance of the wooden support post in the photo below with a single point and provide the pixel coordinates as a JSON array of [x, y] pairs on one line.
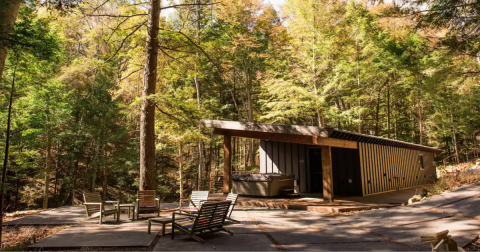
[[227, 164], [327, 173]]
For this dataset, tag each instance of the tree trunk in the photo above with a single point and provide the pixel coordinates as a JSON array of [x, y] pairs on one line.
[[147, 117], [377, 114], [378, 109], [245, 156], [8, 16], [357, 71], [234, 153], [180, 154], [395, 109], [55, 199], [447, 146], [250, 119], [197, 86], [15, 208], [420, 122], [388, 112], [454, 129], [105, 172], [7, 145], [49, 161]]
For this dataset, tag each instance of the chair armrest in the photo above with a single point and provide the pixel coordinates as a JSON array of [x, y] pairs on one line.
[[112, 201], [189, 200], [187, 215], [95, 203]]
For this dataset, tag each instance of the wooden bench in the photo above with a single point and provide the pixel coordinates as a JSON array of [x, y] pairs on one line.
[[210, 219]]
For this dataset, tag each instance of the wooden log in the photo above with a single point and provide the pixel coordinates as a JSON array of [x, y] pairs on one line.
[[227, 163], [327, 173]]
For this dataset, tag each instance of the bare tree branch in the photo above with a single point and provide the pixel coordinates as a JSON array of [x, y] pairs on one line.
[[196, 45], [186, 5], [116, 16], [170, 56], [98, 7], [169, 115], [175, 49], [124, 39], [116, 28], [129, 75]]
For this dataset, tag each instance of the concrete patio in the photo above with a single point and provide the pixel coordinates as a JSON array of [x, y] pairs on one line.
[[396, 229]]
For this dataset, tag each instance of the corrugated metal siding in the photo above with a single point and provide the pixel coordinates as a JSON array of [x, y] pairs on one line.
[[386, 168], [285, 158]]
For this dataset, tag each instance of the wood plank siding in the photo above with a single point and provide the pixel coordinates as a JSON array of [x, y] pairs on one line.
[[386, 168]]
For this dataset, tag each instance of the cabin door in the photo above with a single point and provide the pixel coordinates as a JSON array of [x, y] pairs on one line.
[[316, 176]]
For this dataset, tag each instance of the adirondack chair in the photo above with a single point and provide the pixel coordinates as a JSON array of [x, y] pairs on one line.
[[95, 206], [210, 219], [232, 197], [196, 200], [147, 202]]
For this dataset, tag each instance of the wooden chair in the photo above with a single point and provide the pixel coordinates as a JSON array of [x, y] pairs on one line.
[[196, 200], [147, 202], [210, 219], [232, 197], [95, 206]]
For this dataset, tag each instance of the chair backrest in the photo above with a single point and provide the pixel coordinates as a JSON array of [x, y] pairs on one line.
[[211, 215], [92, 198], [198, 197], [147, 198], [232, 197]]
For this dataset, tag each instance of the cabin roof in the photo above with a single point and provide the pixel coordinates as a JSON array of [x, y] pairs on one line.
[[225, 127]]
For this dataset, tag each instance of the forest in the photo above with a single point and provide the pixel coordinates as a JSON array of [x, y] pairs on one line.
[[109, 94]]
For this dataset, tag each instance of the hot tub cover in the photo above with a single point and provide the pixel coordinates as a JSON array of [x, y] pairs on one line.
[[261, 177]]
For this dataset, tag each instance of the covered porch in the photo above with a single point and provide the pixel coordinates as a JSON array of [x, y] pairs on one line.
[[305, 135]]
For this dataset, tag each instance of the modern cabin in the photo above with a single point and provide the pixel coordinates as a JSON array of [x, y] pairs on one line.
[[332, 161]]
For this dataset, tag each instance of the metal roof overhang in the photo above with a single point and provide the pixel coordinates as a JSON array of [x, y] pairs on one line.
[[311, 135]]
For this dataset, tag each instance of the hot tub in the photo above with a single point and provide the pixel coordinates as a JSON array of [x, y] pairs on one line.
[[261, 184]]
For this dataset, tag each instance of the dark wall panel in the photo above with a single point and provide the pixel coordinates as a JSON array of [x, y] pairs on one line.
[[295, 161], [285, 158], [347, 178], [269, 168], [263, 157], [288, 158], [302, 161], [281, 158]]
